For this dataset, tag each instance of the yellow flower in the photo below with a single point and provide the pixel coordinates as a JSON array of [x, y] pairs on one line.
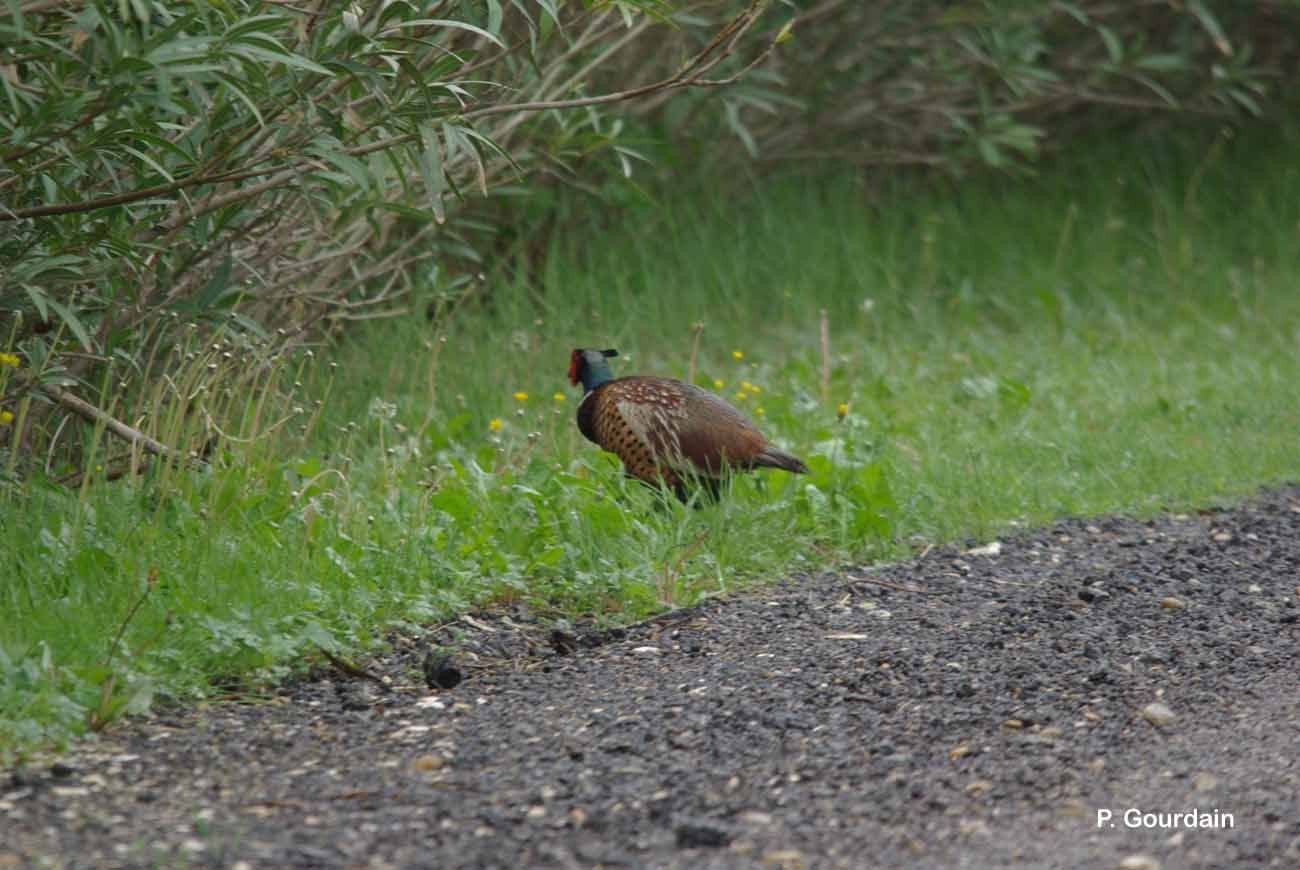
[[737, 354], [718, 384], [741, 396], [753, 388], [9, 359], [842, 410], [758, 411], [6, 417], [521, 396], [494, 424], [559, 397]]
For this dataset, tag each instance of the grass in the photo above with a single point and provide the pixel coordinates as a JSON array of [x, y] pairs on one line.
[[1118, 334]]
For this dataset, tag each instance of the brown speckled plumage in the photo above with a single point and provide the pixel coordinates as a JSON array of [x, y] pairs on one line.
[[668, 430]]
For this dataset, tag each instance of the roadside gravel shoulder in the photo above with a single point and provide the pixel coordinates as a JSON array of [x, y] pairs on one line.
[[976, 707]]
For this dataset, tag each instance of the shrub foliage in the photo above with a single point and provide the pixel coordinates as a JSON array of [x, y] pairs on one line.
[[188, 188]]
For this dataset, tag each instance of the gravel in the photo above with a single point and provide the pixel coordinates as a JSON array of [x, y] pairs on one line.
[[976, 707]]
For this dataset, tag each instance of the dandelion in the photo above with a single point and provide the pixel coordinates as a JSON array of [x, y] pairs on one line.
[[6, 417], [521, 396], [741, 395], [753, 388], [559, 397], [759, 411], [737, 354], [495, 424], [718, 384], [843, 410], [9, 359]]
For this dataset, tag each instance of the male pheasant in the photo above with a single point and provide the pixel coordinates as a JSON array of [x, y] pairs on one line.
[[667, 430]]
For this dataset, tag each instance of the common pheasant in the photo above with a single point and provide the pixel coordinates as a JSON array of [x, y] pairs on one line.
[[667, 430]]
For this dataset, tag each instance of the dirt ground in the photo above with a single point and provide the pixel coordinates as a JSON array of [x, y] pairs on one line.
[[976, 707]]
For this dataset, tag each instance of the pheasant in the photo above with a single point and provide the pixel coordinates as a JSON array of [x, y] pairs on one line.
[[667, 430]]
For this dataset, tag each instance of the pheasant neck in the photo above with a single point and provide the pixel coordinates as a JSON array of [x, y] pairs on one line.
[[594, 374]]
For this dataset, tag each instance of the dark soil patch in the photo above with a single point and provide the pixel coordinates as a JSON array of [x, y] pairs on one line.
[[963, 709]]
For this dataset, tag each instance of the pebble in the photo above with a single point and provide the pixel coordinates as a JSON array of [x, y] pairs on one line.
[[701, 835], [1172, 603], [1139, 862], [784, 858], [427, 763], [1158, 714]]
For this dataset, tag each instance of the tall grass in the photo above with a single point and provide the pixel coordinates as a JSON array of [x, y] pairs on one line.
[[1121, 333]]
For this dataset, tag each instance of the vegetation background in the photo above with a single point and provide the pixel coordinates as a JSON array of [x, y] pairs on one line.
[[286, 292]]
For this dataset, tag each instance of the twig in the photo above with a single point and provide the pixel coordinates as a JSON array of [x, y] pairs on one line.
[[899, 587], [350, 669], [134, 436]]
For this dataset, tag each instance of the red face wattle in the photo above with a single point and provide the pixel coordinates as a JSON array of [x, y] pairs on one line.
[[575, 362]]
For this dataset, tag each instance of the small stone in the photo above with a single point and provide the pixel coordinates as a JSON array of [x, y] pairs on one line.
[[784, 858], [1158, 714], [979, 787], [428, 763], [1014, 724], [701, 835], [440, 671], [973, 827], [1139, 862], [958, 751], [993, 548], [1204, 781], [1222, 537], [647, 650], [1172, 603]]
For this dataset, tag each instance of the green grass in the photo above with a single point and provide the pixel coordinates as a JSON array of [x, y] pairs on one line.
[[1120, 334]]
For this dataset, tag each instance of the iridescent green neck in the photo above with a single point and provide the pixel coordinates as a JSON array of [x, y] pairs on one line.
[[595, 373]]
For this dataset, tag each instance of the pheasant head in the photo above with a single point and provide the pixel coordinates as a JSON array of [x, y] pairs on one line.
[[590, 367]]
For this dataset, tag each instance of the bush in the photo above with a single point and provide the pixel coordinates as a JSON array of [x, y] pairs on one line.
[[196, 186]]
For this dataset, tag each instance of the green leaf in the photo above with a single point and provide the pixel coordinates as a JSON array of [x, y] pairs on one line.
[[1113, 46], [68, 316], [1211, 26], [216, 285], [455, 25]]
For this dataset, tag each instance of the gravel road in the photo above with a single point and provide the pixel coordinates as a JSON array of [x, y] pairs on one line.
[[976, 707]]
